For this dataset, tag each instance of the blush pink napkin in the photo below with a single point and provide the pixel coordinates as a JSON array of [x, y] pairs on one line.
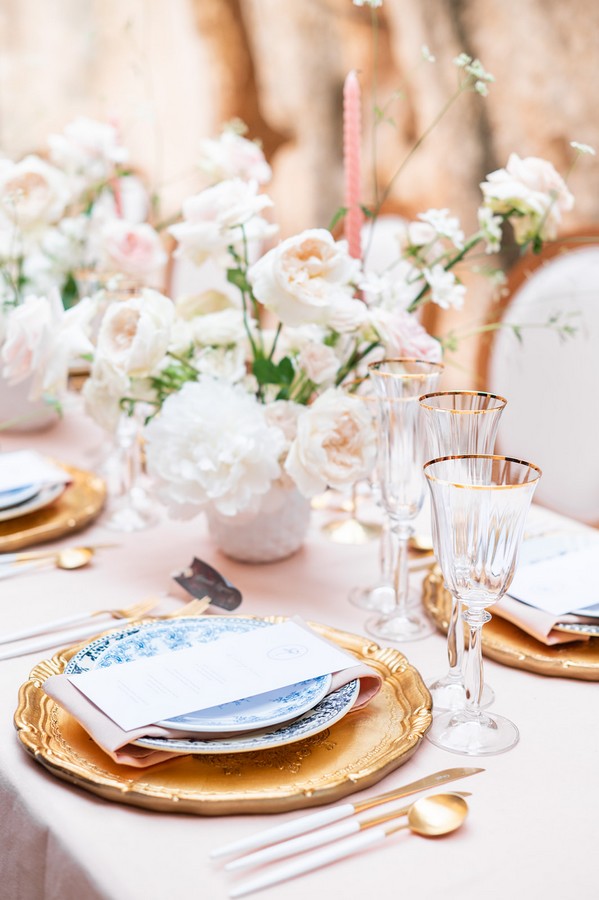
[[539, 624], [118, 743]]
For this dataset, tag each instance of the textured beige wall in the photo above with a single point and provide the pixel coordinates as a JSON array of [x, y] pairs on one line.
[[171, 70]]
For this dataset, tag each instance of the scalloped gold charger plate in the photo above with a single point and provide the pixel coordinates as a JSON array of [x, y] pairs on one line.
[[351, 755], [78, 505], [508, 644]]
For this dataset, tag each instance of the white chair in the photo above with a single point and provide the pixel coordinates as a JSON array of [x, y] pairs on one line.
[[552, 385]]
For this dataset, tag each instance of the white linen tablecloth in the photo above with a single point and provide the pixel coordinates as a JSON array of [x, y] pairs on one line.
[[532, 829]]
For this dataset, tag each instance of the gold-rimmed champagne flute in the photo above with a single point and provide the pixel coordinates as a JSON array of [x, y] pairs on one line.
[[380, 595], [399, 383], [479, 507], [459, 422]]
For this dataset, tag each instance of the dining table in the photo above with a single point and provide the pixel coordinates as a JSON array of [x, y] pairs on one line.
[[532, 825]]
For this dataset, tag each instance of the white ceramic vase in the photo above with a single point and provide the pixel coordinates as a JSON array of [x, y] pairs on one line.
[[276, 531], [20, 414]]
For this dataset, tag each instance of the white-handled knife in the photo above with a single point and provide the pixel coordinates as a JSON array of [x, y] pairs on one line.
[[309, 862], [307, 823]]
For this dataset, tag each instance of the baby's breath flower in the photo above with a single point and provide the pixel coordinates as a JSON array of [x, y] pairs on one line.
[[462, 60], [445, 225], [372, 3], [426, 54], [490, 227], [583, 148]]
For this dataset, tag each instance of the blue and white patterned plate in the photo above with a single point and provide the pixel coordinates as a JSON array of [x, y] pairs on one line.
[[331, 709], [150, 639], [42, 496], [14, 496]]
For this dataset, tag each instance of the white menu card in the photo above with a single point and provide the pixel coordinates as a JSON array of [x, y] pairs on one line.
[[148, 690]]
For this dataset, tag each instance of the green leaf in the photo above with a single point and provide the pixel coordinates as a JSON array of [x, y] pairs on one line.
[[70, 293], [238, 278], [340, 214], [267, 372], [367, 212]]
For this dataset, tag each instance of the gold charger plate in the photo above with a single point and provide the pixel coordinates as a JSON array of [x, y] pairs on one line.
[[508, 644], [353, 754], [80, 503]]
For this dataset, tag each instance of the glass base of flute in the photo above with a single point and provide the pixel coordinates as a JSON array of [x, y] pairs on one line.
[[449, 691], [401, 621], [470, 731]]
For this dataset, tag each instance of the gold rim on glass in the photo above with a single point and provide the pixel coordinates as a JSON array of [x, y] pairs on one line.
[[432, 367], [483, 487], [469, 412]]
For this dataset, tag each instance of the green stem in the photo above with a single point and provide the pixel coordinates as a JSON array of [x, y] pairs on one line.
[[476, 239]]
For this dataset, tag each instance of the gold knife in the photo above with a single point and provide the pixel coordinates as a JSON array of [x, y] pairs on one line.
[[324, 817]]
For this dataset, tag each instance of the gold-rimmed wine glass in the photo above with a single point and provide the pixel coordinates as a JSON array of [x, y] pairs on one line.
[[399, 383], [459, 422], [479, 507]]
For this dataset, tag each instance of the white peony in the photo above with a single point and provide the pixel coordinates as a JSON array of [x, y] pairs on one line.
[[534, 190], [212, 221], [211, 445], [307, 279], [233, 156], [135, 334], [335, 444], [33, 193]]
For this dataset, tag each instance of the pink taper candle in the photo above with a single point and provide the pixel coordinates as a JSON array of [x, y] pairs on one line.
[[354, 217]]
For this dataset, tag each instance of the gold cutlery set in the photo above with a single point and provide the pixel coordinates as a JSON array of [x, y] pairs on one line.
[[336, 832]]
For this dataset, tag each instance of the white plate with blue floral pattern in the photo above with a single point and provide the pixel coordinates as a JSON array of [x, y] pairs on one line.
[[306, 703]]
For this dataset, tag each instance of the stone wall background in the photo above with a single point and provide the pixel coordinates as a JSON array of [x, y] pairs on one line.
[[172, 72]]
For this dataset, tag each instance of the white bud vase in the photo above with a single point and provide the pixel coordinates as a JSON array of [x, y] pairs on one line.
[[276, 531]]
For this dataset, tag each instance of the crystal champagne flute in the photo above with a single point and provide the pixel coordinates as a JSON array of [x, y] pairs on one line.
[[399, 383], [479, 507], [459, 422]]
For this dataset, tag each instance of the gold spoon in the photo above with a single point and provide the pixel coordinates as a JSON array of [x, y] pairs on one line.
[[69, 558], [430, 817]]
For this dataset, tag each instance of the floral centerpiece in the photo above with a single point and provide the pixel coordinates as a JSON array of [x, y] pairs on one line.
[[243, 382], [75, 211]]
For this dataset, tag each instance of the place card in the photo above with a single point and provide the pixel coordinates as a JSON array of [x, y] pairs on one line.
[[564, 584], [24, 467], [145, 691]]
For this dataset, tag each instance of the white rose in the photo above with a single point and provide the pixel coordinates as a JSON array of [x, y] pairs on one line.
[[211, 444], [335, 444], [219, 328], [88, 148], [134, 334], [233, 156], [402, 335], [42, 339], [213, 220], [534, 190], [33, 193], [319, 362], [132, 249], [190, 305], [305, 277], [284, 414], [28, 331]]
